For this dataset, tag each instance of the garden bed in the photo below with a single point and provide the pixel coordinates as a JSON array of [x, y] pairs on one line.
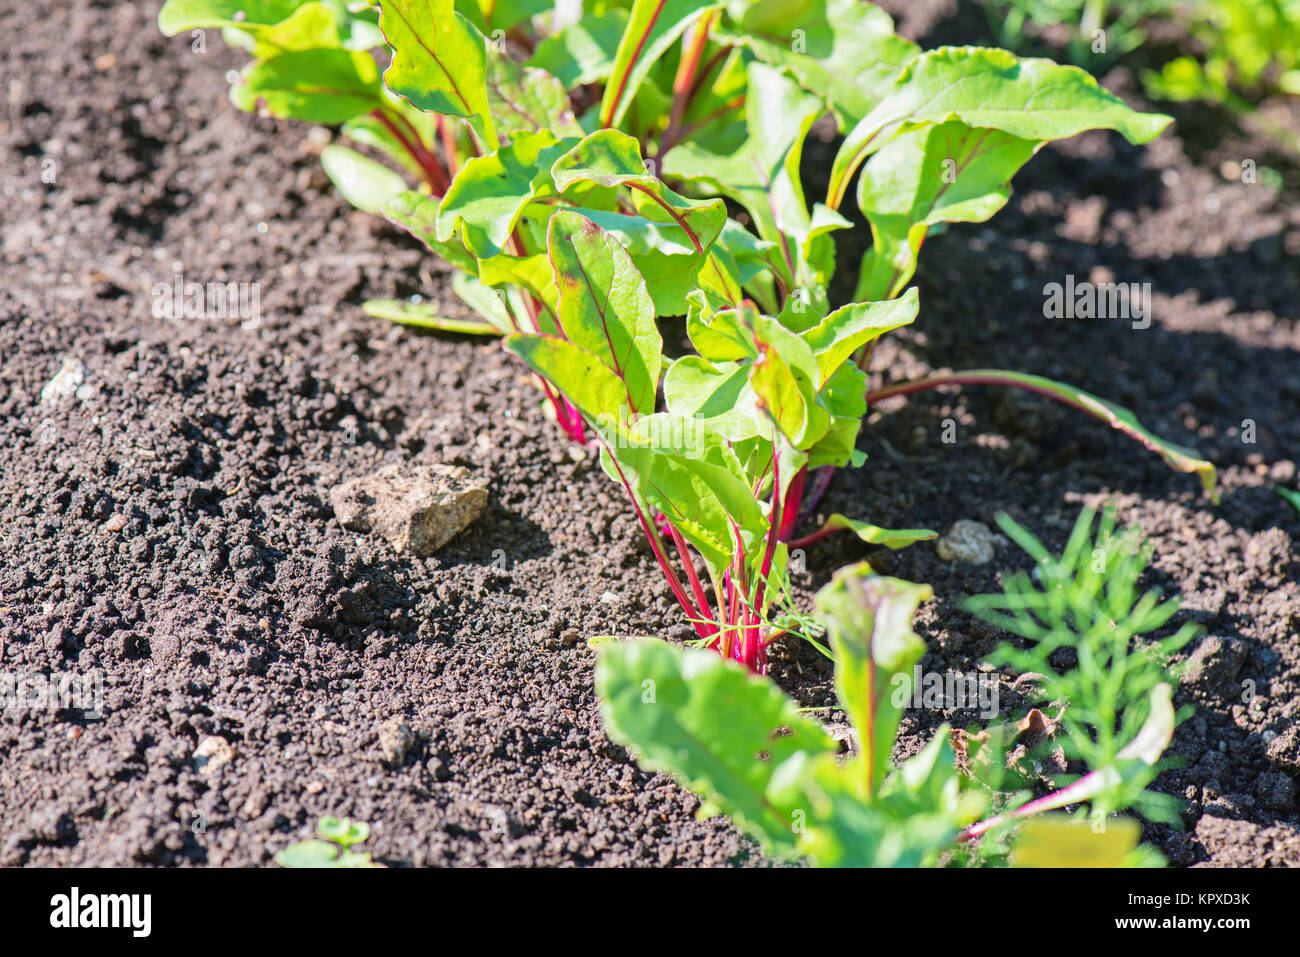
[[167, 524]]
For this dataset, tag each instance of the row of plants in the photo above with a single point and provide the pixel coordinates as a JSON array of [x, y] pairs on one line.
[[589, 176]]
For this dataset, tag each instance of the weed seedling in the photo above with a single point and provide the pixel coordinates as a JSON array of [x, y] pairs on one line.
[[334, 847]]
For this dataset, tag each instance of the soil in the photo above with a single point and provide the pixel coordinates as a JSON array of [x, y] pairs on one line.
[[166, 528]]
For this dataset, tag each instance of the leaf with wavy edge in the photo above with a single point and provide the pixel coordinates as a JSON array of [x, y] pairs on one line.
[[1030, 99], [439, 61], [734, 738]]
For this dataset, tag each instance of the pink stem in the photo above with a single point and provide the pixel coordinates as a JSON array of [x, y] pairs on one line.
[[969, 378], [1080, 790], [428, 163], [701, 598], [816, 536], [657, 547], [793, 498]]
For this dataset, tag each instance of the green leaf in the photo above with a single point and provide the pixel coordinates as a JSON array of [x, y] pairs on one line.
[[785, 375], [504, 14], [1056, 840], [312, 26], [311, 853], [439, 61], [720, 336], [316, 86], [1291, 496], [718, 395], [688, 471], [843, 50], [663, 252], [489, 193], [418, 215], [763, 174], [493, 305], [1030, 99], [875, 535], [944, 173], [652, 28], [581, 376], [732, 737], [528, 98], [343, 831], [913, 819], [869, 619], [610, 158], [365, 184], [177, 16], [846, 330], [425, 316], [582, 52], [604, 306], [530, 273]]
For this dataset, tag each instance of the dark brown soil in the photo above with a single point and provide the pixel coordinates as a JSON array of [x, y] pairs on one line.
[[167, 529]]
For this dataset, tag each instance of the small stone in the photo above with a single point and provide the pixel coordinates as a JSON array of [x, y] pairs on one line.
[[65, 382], [314, 787], [416, 508], [1215, 664], [438, 769], [116, 522], [570, 637], [256, 804], [395, 740], [212, 753], [967, 541]]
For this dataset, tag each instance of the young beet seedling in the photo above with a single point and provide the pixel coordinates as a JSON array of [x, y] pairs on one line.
[[333, 849], [745, 747], [481, 101], [545, 155]]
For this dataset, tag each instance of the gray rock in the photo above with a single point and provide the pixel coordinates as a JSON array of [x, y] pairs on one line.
[[65, 383], [967, 541], [1215, 664], [395, 740], [212, 753], [416, 508]]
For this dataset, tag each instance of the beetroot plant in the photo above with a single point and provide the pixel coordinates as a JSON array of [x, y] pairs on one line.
[[590, 170]]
